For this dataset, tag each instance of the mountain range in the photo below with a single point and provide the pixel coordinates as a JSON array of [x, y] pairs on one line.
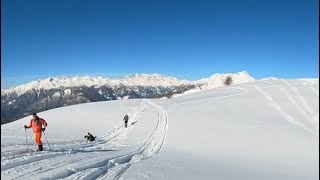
[[55, 92]]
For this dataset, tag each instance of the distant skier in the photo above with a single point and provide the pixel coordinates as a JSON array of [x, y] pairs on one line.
[[36, 124], [90, 137], [125, 119]]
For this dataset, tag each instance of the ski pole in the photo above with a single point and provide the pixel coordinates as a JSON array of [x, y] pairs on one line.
[[47, 139], [25, 132]]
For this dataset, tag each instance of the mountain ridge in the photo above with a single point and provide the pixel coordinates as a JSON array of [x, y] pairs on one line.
[[98, 81], [54, 92]]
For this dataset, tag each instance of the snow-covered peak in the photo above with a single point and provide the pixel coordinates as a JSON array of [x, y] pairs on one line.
[[240, 75], [268, 78], [77, 81], [152, 80], [61, 82], [217, 80]]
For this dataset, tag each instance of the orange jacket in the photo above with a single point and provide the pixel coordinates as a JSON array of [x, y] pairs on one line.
[[37, 124]]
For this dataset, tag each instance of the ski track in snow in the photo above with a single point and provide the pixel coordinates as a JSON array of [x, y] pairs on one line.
[[315, 91], [294, 102], [286, 116], [244, 91], [62, 162], [80, 146], [310, 84], [305, 104], [152, 146]]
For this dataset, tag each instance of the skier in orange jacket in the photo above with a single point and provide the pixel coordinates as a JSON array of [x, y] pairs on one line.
[[36, 124]]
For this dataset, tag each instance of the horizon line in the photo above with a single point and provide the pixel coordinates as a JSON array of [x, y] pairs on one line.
[[119, 76]]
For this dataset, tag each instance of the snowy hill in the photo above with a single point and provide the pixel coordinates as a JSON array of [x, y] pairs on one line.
[[57, 92], [260, 130], [217, 80]]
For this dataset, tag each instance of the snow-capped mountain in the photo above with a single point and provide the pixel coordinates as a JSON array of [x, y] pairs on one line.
[[96, 82], [54, 92], [154, 80]]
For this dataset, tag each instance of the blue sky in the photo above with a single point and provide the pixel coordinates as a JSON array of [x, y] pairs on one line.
[[189, 39]]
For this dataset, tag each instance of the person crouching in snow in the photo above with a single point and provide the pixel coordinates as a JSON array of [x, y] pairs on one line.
[[36, 124], [90, 137]]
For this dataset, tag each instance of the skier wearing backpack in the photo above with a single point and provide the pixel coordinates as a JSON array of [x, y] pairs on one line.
[[36, 124], [125, 119]]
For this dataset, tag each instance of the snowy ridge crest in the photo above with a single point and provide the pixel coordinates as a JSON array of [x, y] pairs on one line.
[[217, 80], [152, 80]]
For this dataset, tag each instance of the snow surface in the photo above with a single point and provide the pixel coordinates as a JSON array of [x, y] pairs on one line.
[[261, 130]]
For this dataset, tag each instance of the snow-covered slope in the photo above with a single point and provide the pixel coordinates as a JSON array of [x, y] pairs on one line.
[[261, 130]]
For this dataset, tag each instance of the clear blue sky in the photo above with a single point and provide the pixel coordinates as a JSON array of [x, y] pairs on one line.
[[189, 39]]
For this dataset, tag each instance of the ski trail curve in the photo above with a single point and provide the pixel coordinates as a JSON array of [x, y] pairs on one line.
[[152, 146]]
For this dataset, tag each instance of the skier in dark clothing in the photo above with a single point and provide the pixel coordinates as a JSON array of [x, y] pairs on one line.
[[90, 137], [125, 119]]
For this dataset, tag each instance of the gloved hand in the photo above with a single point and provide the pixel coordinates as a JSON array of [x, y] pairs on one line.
[[25, 126], [43, 129]]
